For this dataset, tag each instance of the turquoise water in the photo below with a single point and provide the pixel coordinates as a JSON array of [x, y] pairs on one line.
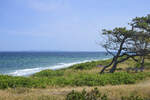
[[27, 63]]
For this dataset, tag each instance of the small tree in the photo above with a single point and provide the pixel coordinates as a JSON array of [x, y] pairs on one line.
[[116, 40], [142, 37], [128, 43]]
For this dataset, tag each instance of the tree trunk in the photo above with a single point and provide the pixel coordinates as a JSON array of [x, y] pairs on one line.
[[142, 62], [114, 65], [115, 58], [112, 70], [107, 65]]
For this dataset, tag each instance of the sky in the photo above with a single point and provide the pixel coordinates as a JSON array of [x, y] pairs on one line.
[[63, 25]]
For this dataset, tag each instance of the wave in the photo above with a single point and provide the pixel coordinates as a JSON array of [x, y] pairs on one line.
[[30, 71]]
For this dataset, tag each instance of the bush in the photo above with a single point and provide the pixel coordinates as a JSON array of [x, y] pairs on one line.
[[134, 98], [96, 95], [13, 82], [92, 95], [104, 79]]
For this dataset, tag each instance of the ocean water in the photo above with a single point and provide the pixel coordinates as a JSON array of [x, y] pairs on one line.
[[27, 63]]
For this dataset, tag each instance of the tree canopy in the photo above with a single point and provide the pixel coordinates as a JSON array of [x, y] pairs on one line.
[[128, 43]]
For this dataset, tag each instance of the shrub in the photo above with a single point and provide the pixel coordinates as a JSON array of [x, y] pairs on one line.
[[92, 95], [104, 79], [96, 95], [13, 82], [80, 79], [134, 98]]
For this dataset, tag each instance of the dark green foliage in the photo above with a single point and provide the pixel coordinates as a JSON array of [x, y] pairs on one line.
[[134, 98], [72, 80], [96, 95], [113, 79], [75, 96], [92, 95], [13, 82]]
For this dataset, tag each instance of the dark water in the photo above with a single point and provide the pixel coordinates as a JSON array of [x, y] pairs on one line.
[[27, 63]]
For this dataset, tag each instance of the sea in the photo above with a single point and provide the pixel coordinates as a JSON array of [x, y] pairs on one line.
[[28, 63]]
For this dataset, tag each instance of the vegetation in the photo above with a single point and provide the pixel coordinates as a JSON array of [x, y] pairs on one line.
[[85, 74], [84, 95], [96, 95], [55, 82], [134, 98], [128, 43]]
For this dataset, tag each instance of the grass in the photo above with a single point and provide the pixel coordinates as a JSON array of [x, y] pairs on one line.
[[80, 79], [114, 92]]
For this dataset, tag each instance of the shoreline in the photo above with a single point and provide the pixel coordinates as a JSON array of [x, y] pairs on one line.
[[31, 71]]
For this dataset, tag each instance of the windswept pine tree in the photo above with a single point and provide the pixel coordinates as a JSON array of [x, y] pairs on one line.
[[128, 43]]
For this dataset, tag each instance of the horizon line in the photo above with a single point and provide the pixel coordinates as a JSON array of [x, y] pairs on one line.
[[51, 51]]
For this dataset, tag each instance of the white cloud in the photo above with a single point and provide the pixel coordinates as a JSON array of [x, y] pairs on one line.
[[46, 5]]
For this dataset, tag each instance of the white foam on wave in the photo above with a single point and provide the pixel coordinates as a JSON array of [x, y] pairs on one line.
[[25, 72], [30, 71]]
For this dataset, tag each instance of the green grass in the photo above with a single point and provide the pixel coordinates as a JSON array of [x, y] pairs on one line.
[[49, 73], [89, 65], [13, 82], [71, 80]]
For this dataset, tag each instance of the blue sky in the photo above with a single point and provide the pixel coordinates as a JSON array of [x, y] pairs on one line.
[[63, 25]]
